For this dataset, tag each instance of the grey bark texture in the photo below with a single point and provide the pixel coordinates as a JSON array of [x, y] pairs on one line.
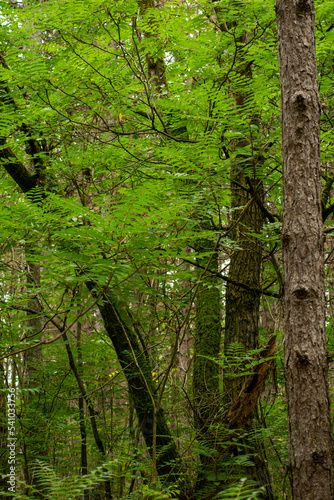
[[306, 365]]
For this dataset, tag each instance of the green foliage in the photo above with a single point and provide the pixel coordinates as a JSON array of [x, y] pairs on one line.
[[130, 181], [244, 490], [58, 487]]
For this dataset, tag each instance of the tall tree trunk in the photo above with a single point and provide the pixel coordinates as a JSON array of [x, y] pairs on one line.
[[81, 404], [207, 342], [36, 416], [306, 364], [243, 311], [206, 393], [206, 396], [243, 307]]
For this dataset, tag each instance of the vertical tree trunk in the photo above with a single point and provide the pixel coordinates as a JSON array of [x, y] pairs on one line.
[[37, 413], [207, 344], [243, 307], [206, 393], [306, 365], [82, 420]]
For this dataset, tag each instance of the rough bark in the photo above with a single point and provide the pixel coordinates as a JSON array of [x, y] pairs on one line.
[[242, 306], [242, 315], [306, 365]]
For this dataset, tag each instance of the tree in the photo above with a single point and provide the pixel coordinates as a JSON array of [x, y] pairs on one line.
[[141, 164], [306, 361]]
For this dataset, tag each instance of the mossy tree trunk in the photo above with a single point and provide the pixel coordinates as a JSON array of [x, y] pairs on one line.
[[243, 311], [206, 391]]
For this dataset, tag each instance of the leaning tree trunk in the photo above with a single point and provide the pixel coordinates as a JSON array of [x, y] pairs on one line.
[[137, 370], [143, 391], [306, 364]]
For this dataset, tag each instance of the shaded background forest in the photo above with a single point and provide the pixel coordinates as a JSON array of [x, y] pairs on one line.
[[141, 267]]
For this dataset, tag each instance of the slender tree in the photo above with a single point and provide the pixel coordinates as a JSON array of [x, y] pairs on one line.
[[34, 422], [306, 364]]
